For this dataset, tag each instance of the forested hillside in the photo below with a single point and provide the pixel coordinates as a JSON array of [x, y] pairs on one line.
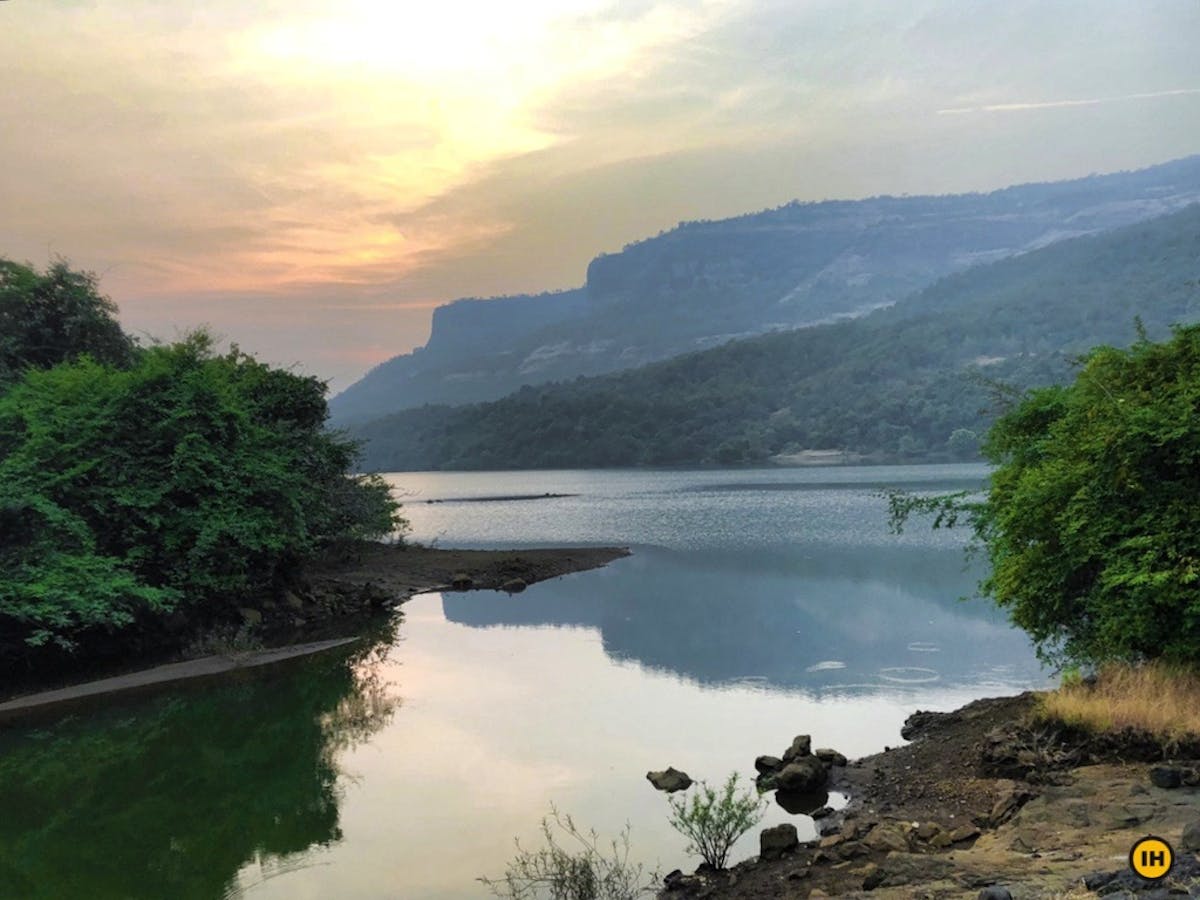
[[704, 283], [911, 382]]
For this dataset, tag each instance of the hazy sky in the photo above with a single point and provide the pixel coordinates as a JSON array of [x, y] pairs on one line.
[[310, 179]]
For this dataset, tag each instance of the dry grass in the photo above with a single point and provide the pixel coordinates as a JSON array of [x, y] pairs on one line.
[[1163, 700]]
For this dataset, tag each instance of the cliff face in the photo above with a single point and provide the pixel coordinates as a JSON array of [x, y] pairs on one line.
[[704, 283]]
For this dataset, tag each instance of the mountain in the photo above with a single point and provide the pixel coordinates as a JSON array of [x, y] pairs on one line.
[[913, 381], [704, 283]]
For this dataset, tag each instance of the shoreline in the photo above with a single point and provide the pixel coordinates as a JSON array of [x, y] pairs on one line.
[[983, 803], [337, 596]]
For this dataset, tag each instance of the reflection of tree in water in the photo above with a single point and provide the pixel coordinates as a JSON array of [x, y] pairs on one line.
[[172, 797]]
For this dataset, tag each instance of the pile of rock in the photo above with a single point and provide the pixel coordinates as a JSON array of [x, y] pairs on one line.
[[800, 770]]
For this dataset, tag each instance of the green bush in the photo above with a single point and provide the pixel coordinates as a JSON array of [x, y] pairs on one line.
[[1092, 519], [713, 822], [189, 479]]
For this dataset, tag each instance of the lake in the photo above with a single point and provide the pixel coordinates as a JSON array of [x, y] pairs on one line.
[[757, 604]]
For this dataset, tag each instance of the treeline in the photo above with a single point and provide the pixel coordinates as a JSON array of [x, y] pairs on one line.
[[915, 382], [148, 492]]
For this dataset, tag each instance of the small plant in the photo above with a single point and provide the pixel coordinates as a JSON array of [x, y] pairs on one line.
[[590, 872], [713, 822]]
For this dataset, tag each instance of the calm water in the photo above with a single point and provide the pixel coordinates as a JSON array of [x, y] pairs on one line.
[[757, 605]]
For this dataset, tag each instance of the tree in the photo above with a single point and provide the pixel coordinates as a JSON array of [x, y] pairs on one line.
[[190, 480], [55, 316], [1092, 519]]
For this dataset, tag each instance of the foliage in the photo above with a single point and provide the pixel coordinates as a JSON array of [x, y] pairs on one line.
[[1156, 698], [913, 382], [713, 822], [189, 479], [1091, 522], [588, 872], [54, 316]]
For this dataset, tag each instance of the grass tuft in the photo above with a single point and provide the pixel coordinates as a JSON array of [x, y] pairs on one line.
[[1161, 699]]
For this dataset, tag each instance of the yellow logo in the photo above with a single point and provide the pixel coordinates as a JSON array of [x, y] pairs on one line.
[[1151, 858]]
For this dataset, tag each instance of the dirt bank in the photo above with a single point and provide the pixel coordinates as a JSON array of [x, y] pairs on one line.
[[941, 817]]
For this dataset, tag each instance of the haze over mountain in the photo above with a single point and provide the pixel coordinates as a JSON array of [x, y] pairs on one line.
[[704, 283], [908, 382]]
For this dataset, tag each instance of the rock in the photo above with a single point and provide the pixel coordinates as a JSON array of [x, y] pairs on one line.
[[766, 781], [886, 837], [941, 840], [804, 776], [817, 892], [514, 585], [676, 880], [1097, 880], [669, 780], [461, 581], [1007, 805], [831, 841], [823, 812], [1190, 840], [774, 842], [251, 617], [768, 764], [963, 833], [1167, 777], [872, 877], [927, 831], [995, 892], [293, 600], [801, 747], [830, 757]]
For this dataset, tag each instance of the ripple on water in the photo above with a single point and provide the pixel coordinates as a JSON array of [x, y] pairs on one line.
[[826, 665], [924, 647], [908, 675]]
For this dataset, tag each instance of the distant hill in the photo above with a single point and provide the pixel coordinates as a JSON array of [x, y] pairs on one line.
[[704, 283], [910, 382]]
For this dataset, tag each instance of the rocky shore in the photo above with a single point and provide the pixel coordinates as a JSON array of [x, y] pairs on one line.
[[984, 802]]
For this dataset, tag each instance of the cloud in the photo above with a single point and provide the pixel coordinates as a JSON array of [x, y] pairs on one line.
[[300, 173], [1064, 104]]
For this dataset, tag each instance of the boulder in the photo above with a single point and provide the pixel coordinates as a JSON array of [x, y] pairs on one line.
[[995, 892], [804, 776], [886, 838], [670, 780], [964, 833], [1190, 840], [768, 764], [773, 843], [801, 747], [461, 581], [872, 877], [293, 600], [514, 585], [830, 757], [250, 616]]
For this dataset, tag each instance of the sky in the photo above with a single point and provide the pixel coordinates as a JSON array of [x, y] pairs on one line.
[[311, 179]]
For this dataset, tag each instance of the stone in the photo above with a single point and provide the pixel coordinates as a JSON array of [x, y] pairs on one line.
[[801, 747], [963, 833], [830, 841], [817, 892], [514, 585], [995, 892], [670, 780], [773, 843], [250, 616], [926, 831], [941, 840], [830, 757], [461, 581], [293, 600], [768, 764], [872, 877], [822, 813], [1190, 839], [1167, 777], [886, 837], [805, 775]]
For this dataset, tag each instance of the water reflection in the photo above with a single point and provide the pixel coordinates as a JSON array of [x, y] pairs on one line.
[[172, 796], [828, 618]]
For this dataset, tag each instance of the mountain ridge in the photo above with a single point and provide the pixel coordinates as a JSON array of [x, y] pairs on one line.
[[705, 282]]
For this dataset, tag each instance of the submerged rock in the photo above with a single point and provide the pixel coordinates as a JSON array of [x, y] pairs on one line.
[[670, 780]]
